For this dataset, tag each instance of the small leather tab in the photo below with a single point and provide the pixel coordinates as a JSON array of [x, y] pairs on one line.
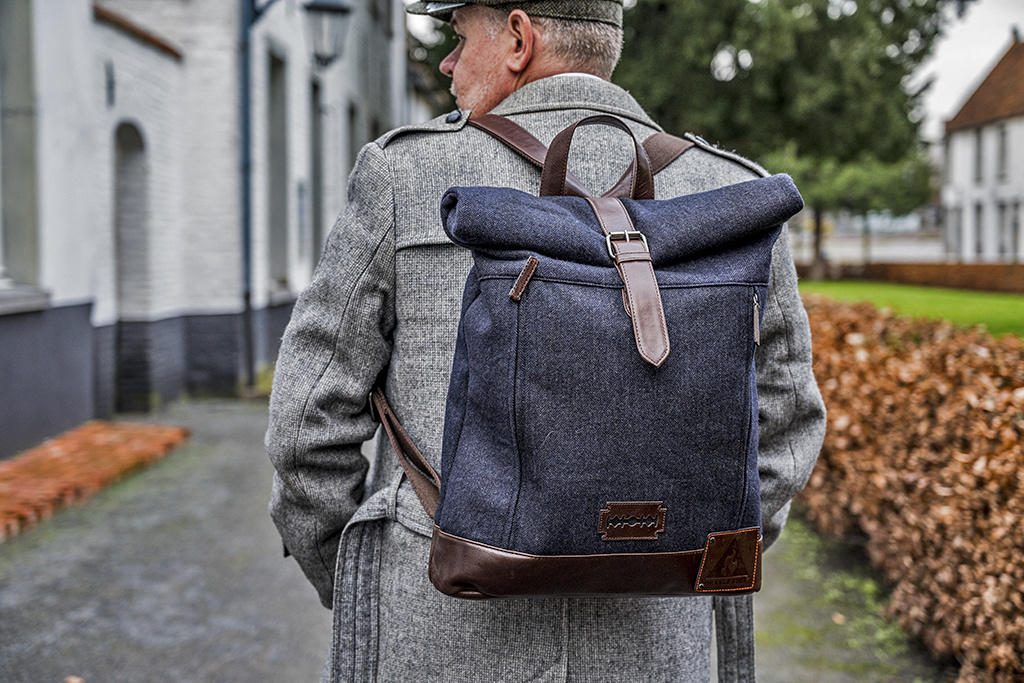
[[516, 293], [731, 562]]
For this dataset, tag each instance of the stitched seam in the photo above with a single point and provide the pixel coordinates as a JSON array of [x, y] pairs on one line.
[[792, 381], [303, 489]]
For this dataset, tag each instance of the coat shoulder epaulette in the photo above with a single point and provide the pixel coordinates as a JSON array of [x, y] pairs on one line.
[[448, 123], [731, 156]]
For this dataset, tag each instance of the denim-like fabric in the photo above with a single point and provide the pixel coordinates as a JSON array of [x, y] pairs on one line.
[[552, 413]]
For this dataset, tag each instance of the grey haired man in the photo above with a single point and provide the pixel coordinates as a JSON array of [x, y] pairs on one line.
[[384, 303]]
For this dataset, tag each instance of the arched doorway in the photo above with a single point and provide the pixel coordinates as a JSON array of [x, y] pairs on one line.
[[133, 390]]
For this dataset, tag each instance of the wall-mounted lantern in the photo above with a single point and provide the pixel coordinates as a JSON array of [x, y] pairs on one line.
[[327, 21]]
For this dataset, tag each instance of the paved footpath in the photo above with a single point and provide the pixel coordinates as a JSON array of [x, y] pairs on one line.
[[176, 574]]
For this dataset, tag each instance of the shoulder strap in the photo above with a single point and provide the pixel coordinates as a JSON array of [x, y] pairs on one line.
[[661, 148], [422, 476]]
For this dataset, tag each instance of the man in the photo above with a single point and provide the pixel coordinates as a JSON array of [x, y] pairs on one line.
[[384, 303]]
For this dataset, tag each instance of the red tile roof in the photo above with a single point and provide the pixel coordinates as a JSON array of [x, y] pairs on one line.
[[105, 16], [1000, 96]]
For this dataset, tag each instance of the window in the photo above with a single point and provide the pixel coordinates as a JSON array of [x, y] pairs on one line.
[[979, 243], [1004, 230], [19, 220], [954, 233], [1015, 237], [277, 172], [1002, 158], [946, 161], [978, 157], [354, 137]]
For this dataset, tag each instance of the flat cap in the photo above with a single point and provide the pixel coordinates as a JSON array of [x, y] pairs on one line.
[[604, 11]]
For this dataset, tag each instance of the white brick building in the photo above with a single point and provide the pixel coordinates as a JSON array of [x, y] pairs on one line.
[[983, 185], [125, 276]]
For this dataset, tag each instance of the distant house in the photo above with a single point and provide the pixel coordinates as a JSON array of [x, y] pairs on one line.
[[134, 266], [983, 185]]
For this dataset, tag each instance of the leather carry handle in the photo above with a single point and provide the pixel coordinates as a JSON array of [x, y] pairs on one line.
[[662, 149], [424, 479], [556, 164]]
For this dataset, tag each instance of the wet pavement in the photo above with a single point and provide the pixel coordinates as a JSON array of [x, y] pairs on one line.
[[172, 575], [176, 575]]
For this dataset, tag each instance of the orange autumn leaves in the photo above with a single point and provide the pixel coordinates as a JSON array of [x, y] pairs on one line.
[[924, 455], [74, 466]]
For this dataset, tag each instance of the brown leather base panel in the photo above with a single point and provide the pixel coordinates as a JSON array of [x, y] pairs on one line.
[[467, 569]]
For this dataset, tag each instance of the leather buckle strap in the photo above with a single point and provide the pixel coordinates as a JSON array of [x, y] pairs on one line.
[[624, 235], [633, 262]]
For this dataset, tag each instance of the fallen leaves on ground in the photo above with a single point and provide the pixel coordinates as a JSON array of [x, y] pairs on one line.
[[924, 455], [74, 466]]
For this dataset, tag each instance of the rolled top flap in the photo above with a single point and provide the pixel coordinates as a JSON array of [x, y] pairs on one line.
[[497, 219]]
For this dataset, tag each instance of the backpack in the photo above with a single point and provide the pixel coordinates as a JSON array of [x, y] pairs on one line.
[[601, 424]]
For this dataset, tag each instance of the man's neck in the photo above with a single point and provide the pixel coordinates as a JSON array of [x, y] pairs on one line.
[[537, 71]]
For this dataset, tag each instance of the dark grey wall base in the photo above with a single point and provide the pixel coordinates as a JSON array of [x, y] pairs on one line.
[[214, 347], [57, 371], [150, 362], [46, 375], [268, 326], [104, 359]]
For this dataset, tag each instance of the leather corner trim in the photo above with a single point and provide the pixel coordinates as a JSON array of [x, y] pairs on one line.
[[731, 562]]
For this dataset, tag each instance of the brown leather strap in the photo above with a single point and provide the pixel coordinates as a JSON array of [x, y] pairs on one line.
[[662, 149], [425, 481], [522, 141], [553, 177], [633, 261]]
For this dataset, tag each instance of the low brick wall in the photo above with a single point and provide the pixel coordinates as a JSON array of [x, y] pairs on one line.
[[989, 277]]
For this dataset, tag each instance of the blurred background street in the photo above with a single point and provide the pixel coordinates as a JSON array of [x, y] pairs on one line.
[[175, 574], [170, 171]]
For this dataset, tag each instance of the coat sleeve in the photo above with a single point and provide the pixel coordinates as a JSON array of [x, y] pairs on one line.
[[792, 415], [337, 343]]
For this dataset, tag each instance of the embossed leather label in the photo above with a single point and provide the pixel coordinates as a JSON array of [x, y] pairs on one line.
[[631, 521], [730, 561]]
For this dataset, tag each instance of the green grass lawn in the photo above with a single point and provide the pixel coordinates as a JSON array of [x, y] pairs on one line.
[[999, 313]]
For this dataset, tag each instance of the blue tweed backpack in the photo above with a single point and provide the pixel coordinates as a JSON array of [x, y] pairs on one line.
[[601, 426]]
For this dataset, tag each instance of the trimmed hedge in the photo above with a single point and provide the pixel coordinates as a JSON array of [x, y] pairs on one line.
[[924, 456]]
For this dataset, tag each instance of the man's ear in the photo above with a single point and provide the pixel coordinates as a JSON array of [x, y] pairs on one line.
[[521, 28]]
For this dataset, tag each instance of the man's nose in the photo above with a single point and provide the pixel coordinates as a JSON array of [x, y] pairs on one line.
[[447, 66]]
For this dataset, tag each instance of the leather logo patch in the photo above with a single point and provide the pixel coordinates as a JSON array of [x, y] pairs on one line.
[[631, 521], [730, 561]]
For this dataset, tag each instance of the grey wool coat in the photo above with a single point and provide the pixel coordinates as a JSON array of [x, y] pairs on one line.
[[384, 302]]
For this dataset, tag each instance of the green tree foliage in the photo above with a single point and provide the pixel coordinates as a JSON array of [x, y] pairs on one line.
[[427, 56], [817, 88], [827, 75]]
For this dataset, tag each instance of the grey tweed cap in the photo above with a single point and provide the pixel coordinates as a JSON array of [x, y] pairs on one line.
[[604, 11]]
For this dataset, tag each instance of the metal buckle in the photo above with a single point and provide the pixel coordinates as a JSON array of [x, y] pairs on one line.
[[626, 235]]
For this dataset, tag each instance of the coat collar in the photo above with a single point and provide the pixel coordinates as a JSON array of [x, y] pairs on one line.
[[574, 92]]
